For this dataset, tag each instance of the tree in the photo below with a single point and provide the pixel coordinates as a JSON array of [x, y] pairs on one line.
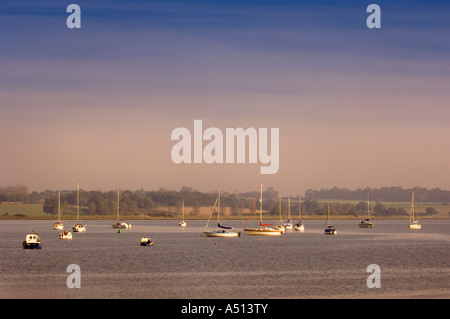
[[50, 205]]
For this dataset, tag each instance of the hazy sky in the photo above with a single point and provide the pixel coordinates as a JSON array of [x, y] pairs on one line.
[[356, 107]]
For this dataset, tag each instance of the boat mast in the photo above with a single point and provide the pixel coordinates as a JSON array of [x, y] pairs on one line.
[[368, 204], [78, 202], [59, 205], [118, 200], [182, 208], [260, 206], [328, 214], [279, 206], [218, 209], [289, 208], [300, 208], [412, 208]]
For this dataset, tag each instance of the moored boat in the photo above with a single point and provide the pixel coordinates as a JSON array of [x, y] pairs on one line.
[[367, 223], [146, 241], [329, 229], [65, 235], [263, 229], [32, 241], [119, 224], [221, 231], [413, 223]]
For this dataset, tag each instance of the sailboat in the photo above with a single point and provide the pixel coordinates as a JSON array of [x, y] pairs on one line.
[[280, 226], [221, 231], [329, 229], [182, 223], [299, 226], [119, 224], [413, 224], [78, 228], [58, 225], [367, 223], [263, 230], [288, 224]]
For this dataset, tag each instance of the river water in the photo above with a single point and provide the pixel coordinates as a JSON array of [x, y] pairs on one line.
[[184, 265]]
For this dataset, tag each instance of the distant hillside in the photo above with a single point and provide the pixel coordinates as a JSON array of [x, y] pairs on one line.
[[383, 194]]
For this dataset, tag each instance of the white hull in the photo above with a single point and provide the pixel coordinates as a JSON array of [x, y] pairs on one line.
[[365, 225], [58, 226], [182, 224], [288, 226], [299, 228], [65, 236], [263, 232], [415, 226], [221, 233], [79, 228], [122, 225]]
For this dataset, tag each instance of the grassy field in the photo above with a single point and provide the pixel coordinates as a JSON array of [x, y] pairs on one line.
[[34, 211]]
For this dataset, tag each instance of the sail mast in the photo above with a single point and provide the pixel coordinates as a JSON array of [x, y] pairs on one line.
[[300, 208], [59, 205], [218, 209], [260, 206], [78, 201], [412, 208], [368, 204], [118, 201]]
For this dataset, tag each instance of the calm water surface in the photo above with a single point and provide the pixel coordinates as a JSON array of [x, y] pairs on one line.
[[182, 264]]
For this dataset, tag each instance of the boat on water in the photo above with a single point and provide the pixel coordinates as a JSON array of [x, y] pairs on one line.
[[58, 225], [78, 228], [263, 229], [221, 231], [65, 235], [413, 223], [281, 226], [367, 223], [182, 223], [32, 241], [329, 229], [288, 225], [119, 224], [299, 226], [146, 241]]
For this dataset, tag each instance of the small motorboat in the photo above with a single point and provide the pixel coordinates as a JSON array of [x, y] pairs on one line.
[[366, 223], [299, 227], [121, 225], [146, 241], [58, 226], [65, 235], [330, 230], [79, 228], [32, 241]]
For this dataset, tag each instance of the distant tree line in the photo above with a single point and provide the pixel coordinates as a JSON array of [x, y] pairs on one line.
[[383, 194], [141, 201]]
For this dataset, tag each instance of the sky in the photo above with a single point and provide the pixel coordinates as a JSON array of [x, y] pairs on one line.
[[355, 107]]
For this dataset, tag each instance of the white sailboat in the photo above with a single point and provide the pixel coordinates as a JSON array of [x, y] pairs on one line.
[[221, 231], [299, 226], [58, 225], [329, 229], [78, 228], [119, 224], [280, 226], [413, 224], [367, 223], [263, 229], [182, 223], [288, 224]]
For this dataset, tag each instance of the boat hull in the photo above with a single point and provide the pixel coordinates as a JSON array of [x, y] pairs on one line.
[[263, 232], [58, 226], [79, 229], [415, 226], [145, 241], [221, 234], [32, 245], [299, 228], [122, 226], [365, 225]]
